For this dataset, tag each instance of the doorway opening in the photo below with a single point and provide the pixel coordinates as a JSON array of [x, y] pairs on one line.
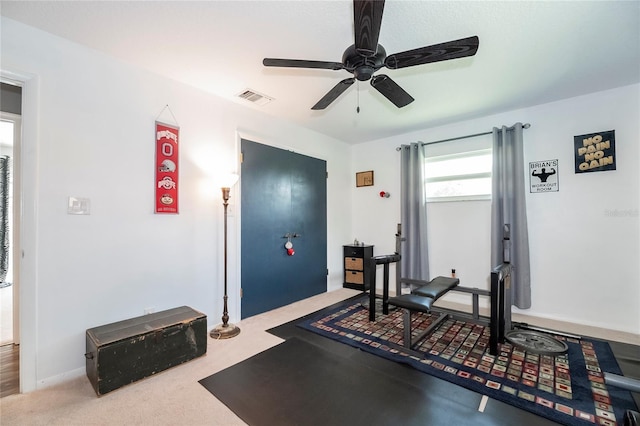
[[10, 137]]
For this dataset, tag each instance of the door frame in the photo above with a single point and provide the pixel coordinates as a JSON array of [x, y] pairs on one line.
[[26, 167]]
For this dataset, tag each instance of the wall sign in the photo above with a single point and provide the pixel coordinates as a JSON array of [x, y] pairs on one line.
[[543, 176], [364, 178], [595, 152], [166, 168]]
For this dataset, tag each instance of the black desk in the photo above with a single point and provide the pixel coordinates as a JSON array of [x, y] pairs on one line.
[[373, 263]]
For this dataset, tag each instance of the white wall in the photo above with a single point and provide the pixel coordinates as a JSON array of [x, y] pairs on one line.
[[91, 134], [584, 239]]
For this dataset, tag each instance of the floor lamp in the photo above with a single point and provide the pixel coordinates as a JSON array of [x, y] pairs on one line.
[[226, 330]]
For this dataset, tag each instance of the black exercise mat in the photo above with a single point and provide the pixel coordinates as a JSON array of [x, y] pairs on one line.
[[299, 383], [568, 389]]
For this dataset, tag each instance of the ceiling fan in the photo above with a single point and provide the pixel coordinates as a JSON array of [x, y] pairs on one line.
[[366, 56]]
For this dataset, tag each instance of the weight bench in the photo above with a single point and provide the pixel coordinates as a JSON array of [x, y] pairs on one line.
[[420, 300]]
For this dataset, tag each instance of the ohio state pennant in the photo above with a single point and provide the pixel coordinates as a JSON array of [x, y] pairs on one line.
[[166, 168]]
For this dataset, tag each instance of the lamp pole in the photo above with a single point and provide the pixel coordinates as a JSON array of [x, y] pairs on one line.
[[225, 330]]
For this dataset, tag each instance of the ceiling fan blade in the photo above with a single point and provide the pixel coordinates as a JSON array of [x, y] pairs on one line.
[[300, 63], [333, 94], [435, 53], [367, 18], [391, 90]]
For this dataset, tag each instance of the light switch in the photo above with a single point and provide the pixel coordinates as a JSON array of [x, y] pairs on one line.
[[78, 205]]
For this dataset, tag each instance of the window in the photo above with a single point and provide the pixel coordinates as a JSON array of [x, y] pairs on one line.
[[459, 176]]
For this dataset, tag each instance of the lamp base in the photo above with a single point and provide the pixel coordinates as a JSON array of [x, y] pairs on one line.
[[224, 331]]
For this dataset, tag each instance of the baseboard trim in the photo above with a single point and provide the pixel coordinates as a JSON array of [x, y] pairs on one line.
[[555, 324], [61, 378]]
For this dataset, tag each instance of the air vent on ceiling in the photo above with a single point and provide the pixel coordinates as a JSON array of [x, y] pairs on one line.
[[255, 97]]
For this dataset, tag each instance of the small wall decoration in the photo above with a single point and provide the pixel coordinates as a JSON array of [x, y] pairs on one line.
[[364, 178], [595, 152], [543, 176], [166, 168]]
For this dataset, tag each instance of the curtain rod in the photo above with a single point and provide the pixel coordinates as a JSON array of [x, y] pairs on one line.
[[524, 126]]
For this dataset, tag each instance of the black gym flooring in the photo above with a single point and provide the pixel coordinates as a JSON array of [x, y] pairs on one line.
[[312, 380]]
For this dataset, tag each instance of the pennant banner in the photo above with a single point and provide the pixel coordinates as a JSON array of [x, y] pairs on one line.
[[166, 168]]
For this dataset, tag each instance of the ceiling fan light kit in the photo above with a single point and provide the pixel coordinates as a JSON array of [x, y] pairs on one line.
[[366, 56]]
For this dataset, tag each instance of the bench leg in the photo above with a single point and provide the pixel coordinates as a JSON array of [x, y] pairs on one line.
[[385, 289], [406, 323], [372, 290], [406, 319]]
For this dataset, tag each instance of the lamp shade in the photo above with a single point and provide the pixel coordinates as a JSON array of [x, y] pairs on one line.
[[227, 180]]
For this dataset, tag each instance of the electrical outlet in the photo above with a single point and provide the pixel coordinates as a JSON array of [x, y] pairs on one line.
[[148, 311], [79, 206]]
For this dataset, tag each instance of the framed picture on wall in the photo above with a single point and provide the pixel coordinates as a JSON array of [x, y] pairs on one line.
[[364, 178], [595, 152]]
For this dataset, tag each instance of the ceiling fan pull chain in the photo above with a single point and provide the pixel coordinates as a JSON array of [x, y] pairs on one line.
[[358, 96]]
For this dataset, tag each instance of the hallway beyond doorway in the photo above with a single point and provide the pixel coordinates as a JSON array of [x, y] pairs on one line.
[[6, 315]]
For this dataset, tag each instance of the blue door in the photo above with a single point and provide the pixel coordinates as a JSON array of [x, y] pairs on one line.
[[282, 193]]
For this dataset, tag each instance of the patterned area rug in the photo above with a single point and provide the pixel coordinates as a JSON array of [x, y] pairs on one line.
[[567, 389]]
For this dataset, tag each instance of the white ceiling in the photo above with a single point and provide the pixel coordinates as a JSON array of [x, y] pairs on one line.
[[531, 52]]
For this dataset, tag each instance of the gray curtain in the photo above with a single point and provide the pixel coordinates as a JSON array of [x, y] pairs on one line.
[[4, 218], [509, 210], [415, 261]]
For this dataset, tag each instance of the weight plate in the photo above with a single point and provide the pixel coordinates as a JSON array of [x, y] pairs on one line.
[[537, 343]]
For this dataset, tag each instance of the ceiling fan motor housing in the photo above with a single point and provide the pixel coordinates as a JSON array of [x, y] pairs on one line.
[[362, 66]]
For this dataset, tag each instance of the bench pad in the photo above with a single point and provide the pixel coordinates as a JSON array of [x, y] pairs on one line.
[[413, 302], [436, 287], [387, 258]]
